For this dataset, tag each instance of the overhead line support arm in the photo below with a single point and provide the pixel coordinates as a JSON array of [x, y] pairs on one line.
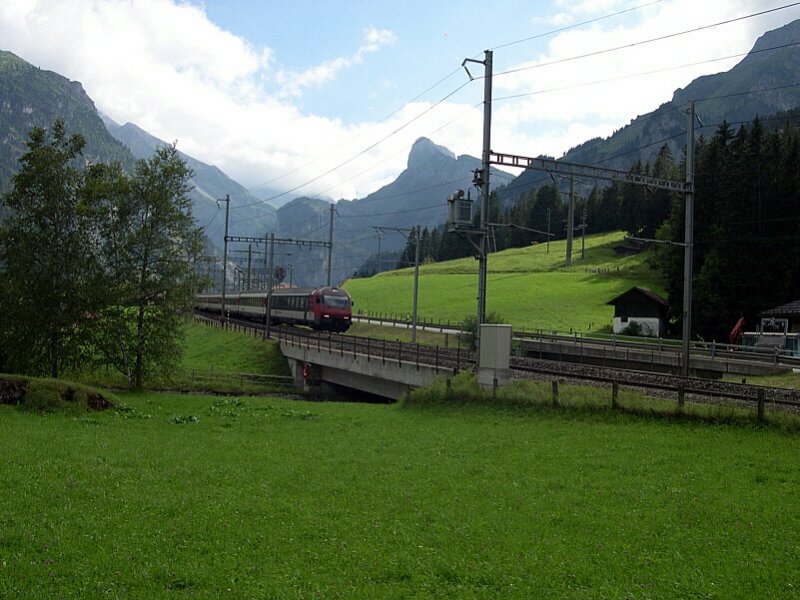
[[564, 168]]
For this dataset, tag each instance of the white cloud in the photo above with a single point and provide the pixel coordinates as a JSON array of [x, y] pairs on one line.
[[293, 84], [165, 66], [595, 94], [572, 11]]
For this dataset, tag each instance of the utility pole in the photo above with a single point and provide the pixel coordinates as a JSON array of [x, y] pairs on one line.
[[380, 238], [266, 260], [330, 244], [483, 246], [583, 233], [416, 288], [570, 221], [269, 281], [688, 238], [548, 231], [227, 202], [249, 266]]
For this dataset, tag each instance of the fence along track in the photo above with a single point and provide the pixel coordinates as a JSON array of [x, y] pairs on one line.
[[455, 360], [703, 390]]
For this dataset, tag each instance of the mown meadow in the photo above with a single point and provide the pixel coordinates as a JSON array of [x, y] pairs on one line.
[[528, 287], [178, 496], [175, 495]]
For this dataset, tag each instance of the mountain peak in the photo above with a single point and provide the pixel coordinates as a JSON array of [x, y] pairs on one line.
[[424, 150], [785, 35]]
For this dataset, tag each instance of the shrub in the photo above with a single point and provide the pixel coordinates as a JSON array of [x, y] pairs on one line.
[[469, 327], [635, 328]]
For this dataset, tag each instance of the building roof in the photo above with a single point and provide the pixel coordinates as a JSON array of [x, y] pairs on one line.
[[651, 295], [785, 310]]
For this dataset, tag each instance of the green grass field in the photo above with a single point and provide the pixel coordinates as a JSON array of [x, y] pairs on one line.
[[528, 287], [185, 496], [188, 496]]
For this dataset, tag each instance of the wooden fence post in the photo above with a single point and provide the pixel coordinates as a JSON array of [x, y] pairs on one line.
[[614, 395], [760, 405], [681, 393], [555, 394]]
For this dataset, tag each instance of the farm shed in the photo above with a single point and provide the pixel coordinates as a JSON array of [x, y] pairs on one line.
[[643, 306]]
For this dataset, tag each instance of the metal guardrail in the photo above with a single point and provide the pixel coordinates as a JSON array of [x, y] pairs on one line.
[[669, 348], [744, 394], [446, 359], [234, 378], [454, 360], [405, 323]]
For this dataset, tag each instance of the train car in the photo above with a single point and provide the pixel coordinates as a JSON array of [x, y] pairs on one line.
[[208, 302], [326, 308]]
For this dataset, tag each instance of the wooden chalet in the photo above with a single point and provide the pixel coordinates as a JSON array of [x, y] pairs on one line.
[[643, 306]]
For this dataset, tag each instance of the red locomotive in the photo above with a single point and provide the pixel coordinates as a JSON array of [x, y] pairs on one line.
[[327, 308]]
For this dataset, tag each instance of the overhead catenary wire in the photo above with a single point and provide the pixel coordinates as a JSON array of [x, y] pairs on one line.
[[574, 25], [590, 83], [527, 185], [439, 82], [642, 42], [651, 72], [211, 220], [613, 49], [362, 152], [383, 120], [371, 167]]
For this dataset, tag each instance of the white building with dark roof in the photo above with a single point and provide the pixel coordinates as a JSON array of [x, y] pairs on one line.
[[641, 306]]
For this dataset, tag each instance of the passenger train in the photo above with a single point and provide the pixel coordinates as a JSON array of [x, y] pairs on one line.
[[325, 308]]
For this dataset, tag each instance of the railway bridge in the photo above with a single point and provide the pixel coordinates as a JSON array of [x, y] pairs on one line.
[[329, 366], [334, 365]]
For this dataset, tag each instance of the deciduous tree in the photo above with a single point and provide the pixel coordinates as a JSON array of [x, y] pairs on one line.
[[152, 271], [47, 245]]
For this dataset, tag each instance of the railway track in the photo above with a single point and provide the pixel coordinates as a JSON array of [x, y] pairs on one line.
[[458, 359], [692, 388]]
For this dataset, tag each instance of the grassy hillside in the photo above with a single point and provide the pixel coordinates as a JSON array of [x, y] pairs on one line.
[[528, 287], [213, 361], [210, 348]]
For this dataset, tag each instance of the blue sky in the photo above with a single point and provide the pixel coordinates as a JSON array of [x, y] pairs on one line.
[[325, 97], [431, 40]]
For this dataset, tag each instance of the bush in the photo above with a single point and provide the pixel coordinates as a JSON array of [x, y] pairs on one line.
[[469, 327], [635, 328]]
